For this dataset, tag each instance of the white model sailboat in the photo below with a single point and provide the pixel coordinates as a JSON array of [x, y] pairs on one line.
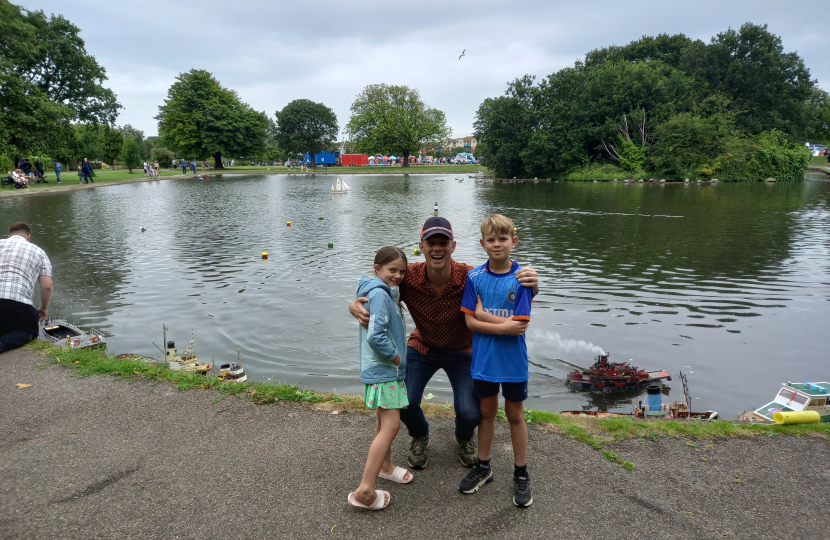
[[340, 186]]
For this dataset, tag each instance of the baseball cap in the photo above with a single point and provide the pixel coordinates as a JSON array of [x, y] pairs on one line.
[[436, 225]]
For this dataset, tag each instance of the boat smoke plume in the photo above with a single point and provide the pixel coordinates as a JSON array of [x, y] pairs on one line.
[[540, 341]]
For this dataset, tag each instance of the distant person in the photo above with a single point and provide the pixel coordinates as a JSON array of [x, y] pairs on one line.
[[499, 353], [18, 177], [87, 170], [382, 370], [21, 265], [193, 166], [146, 168], [156, 167], [80, 173], [183, 165], [41, 176], [58, 171]]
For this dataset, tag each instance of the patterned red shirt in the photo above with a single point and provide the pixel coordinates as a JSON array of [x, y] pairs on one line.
[[439, 321]]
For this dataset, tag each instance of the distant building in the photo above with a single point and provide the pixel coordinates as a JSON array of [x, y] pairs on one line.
[[468, 143]]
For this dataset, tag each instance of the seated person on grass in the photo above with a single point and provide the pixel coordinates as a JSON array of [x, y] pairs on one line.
[[497, 310]]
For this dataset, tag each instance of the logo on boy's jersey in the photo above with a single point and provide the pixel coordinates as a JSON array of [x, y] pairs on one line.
[[511, 296], [499, 312]]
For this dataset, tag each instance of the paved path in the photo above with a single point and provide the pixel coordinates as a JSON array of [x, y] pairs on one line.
[[96, 458]]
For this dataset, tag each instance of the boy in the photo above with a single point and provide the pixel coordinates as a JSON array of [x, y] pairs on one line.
[[497, 310]]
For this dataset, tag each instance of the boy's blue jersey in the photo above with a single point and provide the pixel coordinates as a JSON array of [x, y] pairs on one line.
[[498, 358]]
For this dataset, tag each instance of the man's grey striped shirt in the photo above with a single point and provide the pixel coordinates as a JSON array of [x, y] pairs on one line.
[[21, 263]]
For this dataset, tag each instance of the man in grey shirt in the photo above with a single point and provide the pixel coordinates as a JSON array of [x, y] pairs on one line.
[[21, 265]]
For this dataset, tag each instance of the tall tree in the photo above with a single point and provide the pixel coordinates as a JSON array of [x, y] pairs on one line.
[[769, 89], [201, 118], [129, 153], [393, 119], [304, 126], [111, 143], [47, 80]]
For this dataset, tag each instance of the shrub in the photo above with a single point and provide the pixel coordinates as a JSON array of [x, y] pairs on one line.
[[755, 158], [163, 156]]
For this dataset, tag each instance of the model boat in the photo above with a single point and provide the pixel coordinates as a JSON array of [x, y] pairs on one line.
[[680, 409], [186, 361], [609, 376], [340, 186], [233, 372], [65, 334], [794, 397]]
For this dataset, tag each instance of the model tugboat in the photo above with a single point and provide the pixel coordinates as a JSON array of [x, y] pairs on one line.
[[794, 397], [186, 361], [610, 376], [68, 335], [234, 371]]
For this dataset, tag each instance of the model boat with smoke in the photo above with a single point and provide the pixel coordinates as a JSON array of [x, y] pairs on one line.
[[65, 334], [609, 376]]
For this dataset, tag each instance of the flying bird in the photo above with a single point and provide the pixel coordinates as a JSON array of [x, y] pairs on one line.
[[462, 53]]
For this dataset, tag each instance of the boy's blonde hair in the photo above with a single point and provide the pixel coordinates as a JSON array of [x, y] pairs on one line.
[[497, 224]]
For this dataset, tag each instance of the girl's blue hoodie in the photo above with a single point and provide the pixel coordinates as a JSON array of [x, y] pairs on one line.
[[386, 336]]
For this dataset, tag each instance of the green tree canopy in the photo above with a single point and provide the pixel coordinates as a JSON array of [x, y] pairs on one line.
[[683, 96], [129, 153], [304, 126], [393, 120], [47, 80], [111, 143], [201, 118]]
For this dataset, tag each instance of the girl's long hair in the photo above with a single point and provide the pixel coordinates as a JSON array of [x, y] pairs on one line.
[[386, 255]]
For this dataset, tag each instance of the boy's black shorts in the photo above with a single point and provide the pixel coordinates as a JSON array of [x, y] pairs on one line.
[[513, 391]]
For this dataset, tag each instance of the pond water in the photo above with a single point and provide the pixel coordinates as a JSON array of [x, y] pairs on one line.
[[729, 283]]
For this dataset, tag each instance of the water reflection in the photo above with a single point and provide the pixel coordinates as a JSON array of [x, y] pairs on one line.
[[730, 279]]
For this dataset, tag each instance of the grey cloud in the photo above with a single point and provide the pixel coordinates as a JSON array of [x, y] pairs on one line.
[[327, 51]]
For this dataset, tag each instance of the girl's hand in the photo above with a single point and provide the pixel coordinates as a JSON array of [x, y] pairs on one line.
[[513, 328], [397, 360]]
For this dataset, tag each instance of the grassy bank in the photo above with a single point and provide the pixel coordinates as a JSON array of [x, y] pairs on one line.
[[69, 179], [596, 433]]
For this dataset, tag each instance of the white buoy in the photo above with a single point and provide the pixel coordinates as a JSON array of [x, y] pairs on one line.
[[435, 211]]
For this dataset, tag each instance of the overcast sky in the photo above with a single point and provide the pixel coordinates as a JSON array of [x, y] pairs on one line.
[[328, 51]]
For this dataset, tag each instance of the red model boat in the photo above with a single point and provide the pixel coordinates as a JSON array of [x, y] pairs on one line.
[[610, 376]]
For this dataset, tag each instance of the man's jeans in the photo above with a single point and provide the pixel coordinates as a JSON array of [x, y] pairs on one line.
[[18, 324], [420, 369]]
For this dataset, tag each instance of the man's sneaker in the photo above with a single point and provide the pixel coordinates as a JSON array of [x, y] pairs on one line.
[[476, 478], [466, 451], [521, 495], [417, 456]]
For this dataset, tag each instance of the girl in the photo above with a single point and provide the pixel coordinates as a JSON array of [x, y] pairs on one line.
[[382, 369]]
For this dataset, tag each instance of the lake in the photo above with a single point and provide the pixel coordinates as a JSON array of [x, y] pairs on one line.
[[729, 283]]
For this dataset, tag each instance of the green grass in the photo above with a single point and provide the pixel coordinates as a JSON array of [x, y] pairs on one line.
[[87, 362], [70, 178], [590, 431], [818, 161]]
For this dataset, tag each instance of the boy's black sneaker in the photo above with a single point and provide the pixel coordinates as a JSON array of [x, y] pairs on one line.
[[521, 495], [477, 477]]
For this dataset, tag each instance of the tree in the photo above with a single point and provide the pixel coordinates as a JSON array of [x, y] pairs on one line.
[[112, 141], [163, 156], [47, 80], [769, 89], [202, 118], [393, 120], [304, 126], [129, 153]]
